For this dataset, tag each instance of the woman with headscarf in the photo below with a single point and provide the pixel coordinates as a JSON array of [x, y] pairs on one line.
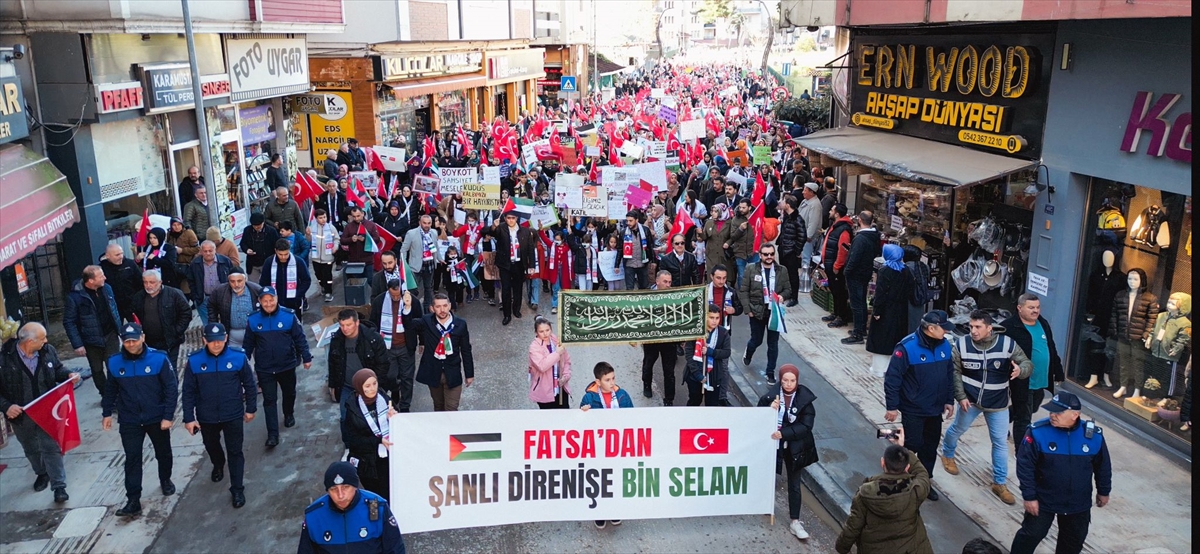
[[157, 254], [889, 315], [395, 221], [365, 431], [715, 233], [794, 416]]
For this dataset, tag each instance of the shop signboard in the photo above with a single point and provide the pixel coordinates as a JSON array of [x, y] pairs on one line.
[[13, 124], [119, 97], [169, 87], [513, 65], [267, 67], [258, 124], [987, 90], [330, 129], [308, 103], [1148, 120], [412, 66]]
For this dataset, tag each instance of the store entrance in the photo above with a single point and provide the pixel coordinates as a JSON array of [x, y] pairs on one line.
[[423, 118], [183, 157]]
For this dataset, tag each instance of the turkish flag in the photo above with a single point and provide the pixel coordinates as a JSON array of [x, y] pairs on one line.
[[55, 412], [140, 240], [704, 441]]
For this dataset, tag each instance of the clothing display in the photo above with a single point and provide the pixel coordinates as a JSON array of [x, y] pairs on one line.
[[1151, 228], [1103, 286]]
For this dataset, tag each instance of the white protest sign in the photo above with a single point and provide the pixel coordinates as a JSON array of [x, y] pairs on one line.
[[491, 175], [485, 468], [595, 201], [609, 268], [529, 151], [393, 158], [617, 178], [657, 149], [658, 93], [668, 101], [654, 173], [543, 217], [632, 149], [736, 178], [691, 129], [568, 190], [617, 207], [591, 151], [453, 178]]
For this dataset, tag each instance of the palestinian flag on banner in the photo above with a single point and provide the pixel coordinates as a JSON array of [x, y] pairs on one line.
[[523, 207], [478, 446]]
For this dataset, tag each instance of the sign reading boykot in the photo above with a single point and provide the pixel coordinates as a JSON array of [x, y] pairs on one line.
[[471, 469], [669, 315], [986, 91]]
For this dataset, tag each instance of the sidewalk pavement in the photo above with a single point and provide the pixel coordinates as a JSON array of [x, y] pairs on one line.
[[1151, 502]]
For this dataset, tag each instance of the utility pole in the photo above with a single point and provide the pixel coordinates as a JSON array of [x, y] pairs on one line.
[[206, 168], [595, 53]]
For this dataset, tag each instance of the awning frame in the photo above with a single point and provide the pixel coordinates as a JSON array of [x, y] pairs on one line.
[[422, 87]]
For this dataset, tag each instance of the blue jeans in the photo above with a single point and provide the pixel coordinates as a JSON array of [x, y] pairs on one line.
[[554, 289], [997, 423], [741, 266], [535, 291], [637, 278], [202, 310]]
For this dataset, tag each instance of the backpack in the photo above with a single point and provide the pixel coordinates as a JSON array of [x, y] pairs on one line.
[[919, 272]]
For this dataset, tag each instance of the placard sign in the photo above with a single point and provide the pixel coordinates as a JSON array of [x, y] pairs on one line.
[[426, 184], [490, 175], [393, 158], [478, 196], [691, 129], [453, 178], [658, 149], [595, 201]]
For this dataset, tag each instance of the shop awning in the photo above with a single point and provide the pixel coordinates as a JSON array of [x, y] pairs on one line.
[[36, 202], [421, 87], [915, 159]]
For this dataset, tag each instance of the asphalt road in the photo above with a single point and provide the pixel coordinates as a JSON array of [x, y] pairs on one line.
[[281, 482]]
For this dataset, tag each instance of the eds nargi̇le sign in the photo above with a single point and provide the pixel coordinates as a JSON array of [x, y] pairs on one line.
[[985, 91], [472, 469], [647, 316]]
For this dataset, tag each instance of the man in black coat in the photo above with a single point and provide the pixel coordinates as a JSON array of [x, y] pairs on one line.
[[679, 262], [864, 248], [447, 365], [515, 252], [258, 241], [1032, 333], [363, 339], [164, 313], [123, 275], [400, 338], [792, 236]]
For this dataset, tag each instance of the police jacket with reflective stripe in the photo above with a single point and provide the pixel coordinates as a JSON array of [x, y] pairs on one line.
[[982, 369]]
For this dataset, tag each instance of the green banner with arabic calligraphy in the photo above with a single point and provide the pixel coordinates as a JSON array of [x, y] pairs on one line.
[[670, 315]]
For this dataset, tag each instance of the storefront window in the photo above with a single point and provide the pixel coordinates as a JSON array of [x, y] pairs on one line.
[[404, 119], [258, 136], [1132, 343], [453, 109]]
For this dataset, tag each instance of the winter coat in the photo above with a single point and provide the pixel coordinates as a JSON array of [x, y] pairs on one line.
[[797, 429], [289, 211], [262, 242], [1135, 328], [143, 388], [125, 280], [714, 239], [275, 271], [81, 320], [1016, 330], [741, 240], [1171, 336], [17, 387], [278, 340], [360, 440], [410, 335], [720, 352], [792, 235], [355, 251], [1057, 467], [920, 376], [833, 253], [812, 215], [863, 250], [885, 514], [682, 271], [432, 369], [371, 351], [997, 370], [218, 388], [593, 398], [196, 275], [889, 321], [166, 264], [227, 248], [188, 246], [541, 371], [220, 302], [525, 247], [174, 312], [751, 289], [195, 215]]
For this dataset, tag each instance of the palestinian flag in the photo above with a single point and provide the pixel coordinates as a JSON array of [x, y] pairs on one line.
[[372, 244], [479, 446], [406, 276], [468, 274], [776, 322], [523, 207]]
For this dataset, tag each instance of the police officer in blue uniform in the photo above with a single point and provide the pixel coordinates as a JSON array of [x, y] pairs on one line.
[[1056, 463], [275, 339], [349, 519], [219, 396], [142, 387]]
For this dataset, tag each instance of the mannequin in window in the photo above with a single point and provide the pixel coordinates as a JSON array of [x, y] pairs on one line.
[[1133, 314], [1103, 286], [1167, 342]]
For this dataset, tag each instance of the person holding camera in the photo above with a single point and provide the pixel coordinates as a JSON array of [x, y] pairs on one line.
[[797, 449], [893, 501]]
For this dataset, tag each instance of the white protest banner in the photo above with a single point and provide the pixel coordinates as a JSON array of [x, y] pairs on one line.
[[568, 190], [477, 196], [617, 207], [658, 93], [668, 101], [543, 217], [617, 178], [657, 149], [484, 468], [529, 151], [654, 173], [691, 129], [369, 179], [632, 149], [609, 268], [426, 184], [491, 175], [595, 201], [736, 178], [393, 158], [453, 178]]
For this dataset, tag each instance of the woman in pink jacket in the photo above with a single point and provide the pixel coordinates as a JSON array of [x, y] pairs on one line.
[[549, 368]]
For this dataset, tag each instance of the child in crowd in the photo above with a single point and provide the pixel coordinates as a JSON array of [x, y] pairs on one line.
[[604, 394]]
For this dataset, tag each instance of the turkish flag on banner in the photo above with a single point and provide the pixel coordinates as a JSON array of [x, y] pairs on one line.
[[704, 441], [55, 412]]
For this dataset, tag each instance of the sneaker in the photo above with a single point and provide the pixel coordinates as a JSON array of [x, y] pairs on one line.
[[329, 298], [168, 488], [792, 303], [746, 361], [950, 465], [828, 318], [41, 482], [491, 301], [60, 495], [553, 310], [1002, 492], [600, 523], [770, 378], [647, 392], [798, 530], [130, 509], [933, 495], [853, 339], [615, 522], [836, 323], [533, 306]]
